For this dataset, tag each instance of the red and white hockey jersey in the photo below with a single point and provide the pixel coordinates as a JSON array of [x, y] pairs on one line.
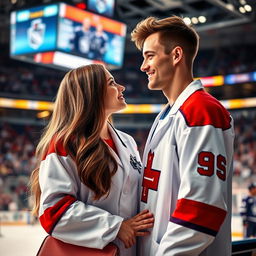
[[187, 177], [67, 209]]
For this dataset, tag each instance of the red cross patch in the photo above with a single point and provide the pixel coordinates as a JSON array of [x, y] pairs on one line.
[[150, 178]]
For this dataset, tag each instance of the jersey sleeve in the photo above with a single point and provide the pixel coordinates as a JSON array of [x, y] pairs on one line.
[[62, 214], [204, 151]]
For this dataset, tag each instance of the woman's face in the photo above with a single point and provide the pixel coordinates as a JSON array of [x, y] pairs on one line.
[[114, 100]]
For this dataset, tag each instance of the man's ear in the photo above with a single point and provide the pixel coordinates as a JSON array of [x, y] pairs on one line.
[[177, 54]]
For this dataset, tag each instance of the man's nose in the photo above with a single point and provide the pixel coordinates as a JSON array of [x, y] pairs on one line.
[[144, 66]]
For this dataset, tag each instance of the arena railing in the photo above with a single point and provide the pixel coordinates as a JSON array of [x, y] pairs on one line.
[[245, 247]]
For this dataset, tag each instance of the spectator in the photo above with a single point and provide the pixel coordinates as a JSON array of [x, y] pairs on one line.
[[248, 212]]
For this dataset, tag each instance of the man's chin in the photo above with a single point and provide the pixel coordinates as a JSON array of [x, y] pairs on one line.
[[152, 86]]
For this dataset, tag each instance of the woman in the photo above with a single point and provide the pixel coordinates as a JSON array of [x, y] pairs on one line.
[[86, 186]]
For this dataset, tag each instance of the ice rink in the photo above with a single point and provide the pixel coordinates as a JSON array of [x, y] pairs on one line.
[[22, 240], [25, 240]]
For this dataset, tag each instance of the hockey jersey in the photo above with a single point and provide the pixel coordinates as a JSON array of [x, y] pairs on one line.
[[67, 209], [248, 209], [187, 177]]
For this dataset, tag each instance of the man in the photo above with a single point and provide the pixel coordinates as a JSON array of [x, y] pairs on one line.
[[248, 211], [99, 43], [82, 38], [188, 154]]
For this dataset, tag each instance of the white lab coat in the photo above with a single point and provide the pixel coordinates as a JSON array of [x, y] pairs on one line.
[[67, 209], [187, 178]]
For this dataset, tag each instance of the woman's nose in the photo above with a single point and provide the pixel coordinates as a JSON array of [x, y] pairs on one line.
[[122, 88]]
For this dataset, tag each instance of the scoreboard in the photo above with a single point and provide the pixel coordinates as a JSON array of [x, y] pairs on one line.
[[56, 35]]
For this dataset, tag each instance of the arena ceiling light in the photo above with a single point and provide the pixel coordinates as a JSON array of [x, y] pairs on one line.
[[219, 13]]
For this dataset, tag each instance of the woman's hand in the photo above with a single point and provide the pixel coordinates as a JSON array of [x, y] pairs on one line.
[[135, 226]]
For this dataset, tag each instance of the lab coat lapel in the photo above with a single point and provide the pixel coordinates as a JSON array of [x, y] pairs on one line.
[[123, 157], [154, 137]]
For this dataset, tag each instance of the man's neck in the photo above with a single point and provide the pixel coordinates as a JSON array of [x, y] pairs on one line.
[[177, 86]]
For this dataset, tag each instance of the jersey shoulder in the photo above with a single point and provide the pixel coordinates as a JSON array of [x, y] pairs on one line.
[[201, 109], [249, 199], [55, 147]]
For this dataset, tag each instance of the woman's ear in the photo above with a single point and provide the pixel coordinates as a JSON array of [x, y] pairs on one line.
[[177, 54]]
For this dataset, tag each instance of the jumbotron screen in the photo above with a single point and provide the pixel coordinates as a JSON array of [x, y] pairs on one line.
[[103, 7], [65, 36]]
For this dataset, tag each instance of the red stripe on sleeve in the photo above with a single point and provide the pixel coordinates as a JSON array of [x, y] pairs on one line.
[[198, 213], [52, 214], [55, 147]]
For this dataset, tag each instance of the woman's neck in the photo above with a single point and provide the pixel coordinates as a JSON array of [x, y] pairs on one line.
[[105, 132]]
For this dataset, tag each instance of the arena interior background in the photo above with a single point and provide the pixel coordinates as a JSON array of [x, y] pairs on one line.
[[226, 62]]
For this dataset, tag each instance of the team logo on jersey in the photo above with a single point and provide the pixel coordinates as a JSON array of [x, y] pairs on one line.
[[36, 33], [135, 163], [150, 178]]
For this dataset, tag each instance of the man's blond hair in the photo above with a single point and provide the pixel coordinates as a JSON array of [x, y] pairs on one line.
[[173, 32]]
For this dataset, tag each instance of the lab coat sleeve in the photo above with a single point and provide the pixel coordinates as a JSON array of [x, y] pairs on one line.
[[204, 154], [61, 212]]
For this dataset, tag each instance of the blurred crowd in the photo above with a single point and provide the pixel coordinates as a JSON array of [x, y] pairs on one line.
[[26, 82], [17, 147], [225, 60], [245, 148], [30, 81]]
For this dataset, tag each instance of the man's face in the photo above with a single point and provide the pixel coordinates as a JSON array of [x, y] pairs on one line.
[[157, 64], [253, 191], [86, 24]]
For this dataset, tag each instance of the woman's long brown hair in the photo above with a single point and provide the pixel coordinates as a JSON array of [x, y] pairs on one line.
[[77, 120]]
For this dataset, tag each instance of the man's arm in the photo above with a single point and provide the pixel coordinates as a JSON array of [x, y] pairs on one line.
[[204, 165]]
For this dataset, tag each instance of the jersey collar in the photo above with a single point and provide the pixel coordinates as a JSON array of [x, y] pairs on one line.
[[190, 89]]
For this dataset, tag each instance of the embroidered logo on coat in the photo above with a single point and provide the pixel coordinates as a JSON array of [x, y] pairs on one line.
[[135, 163]]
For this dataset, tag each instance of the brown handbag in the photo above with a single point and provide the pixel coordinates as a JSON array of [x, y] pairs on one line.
[[54, 247]]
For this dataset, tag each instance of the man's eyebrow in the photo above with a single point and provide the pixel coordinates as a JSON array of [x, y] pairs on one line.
[[147, 52]]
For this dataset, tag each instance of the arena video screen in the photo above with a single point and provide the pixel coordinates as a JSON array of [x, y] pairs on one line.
[[90, 35], [34, 30], [64, 36], [103, 7]]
